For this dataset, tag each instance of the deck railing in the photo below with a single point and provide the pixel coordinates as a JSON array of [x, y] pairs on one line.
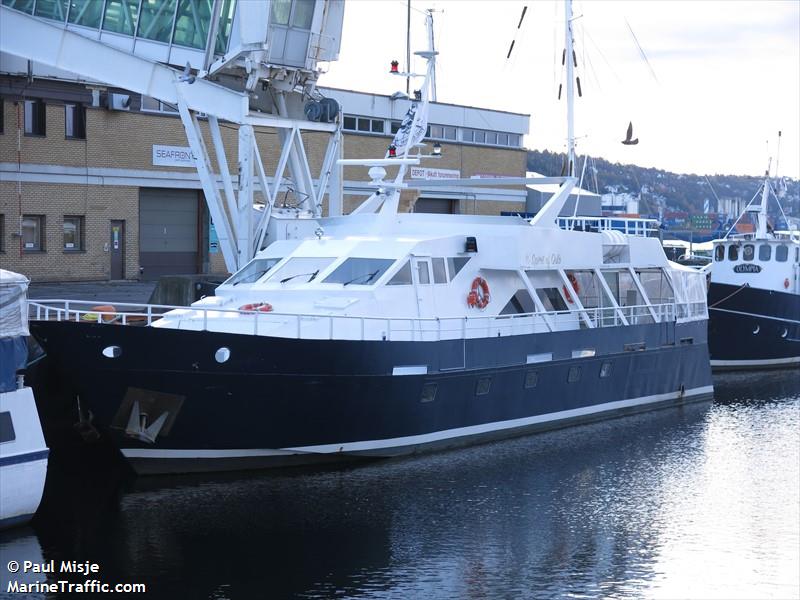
[[640, 227], [316, 326]]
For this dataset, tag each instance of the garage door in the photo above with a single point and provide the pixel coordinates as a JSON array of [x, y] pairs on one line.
[[436, 205], [168, 228]]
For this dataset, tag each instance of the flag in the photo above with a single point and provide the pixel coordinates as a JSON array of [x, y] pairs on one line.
[[412, 129]]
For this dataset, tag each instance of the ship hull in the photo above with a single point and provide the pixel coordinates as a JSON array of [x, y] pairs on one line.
[[278, 402], [752, 328]]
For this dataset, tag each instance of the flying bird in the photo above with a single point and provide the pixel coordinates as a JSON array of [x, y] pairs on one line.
[[187, 74], [628, 141]]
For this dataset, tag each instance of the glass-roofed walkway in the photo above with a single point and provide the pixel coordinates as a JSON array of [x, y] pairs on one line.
[[182, 23]]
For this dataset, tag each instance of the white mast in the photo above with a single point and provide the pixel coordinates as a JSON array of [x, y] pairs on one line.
[[761, 228], [570, 89], [429, 24]]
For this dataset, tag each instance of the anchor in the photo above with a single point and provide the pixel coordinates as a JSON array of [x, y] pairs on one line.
[[137, 427]]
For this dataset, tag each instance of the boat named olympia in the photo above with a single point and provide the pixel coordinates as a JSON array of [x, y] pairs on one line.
[[754, 295], [382, 334]]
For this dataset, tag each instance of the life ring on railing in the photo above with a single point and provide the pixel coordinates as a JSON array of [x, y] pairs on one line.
[[575, 286], [478, 296], [786, 283], [256, 307]]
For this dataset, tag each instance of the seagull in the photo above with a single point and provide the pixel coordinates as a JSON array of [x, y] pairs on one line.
[[189, 78], [628, 141]]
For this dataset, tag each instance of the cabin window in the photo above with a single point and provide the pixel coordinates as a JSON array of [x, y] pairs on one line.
[[360, 271], [764, 252], [423, 273], [439, 272], [574, 374], [520, 303], [403, 275], [733, 252], [551, 299], [252, 271], [6, 428], [300, 269], [531, 379], [748, 252], [605, 370], [719, 253], [782, 253], [483, 386], [455, 264]]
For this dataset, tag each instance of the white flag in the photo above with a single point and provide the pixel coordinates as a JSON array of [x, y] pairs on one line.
[[412, 129]]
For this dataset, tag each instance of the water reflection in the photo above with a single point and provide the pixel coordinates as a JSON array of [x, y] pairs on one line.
[[699, 501]]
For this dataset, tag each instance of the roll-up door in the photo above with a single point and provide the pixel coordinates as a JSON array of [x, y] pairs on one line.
[[168, 232]]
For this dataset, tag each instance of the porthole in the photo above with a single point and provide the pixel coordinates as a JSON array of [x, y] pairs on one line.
[[785, 333], [531, 379], [605, 370], [428, 392], [222, 355], [483, 386], [574, 374], [112, 351], [757, 329]]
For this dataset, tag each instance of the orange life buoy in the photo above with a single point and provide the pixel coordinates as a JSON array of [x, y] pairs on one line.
[[574, 282], [478, 296], [256, 307], [786, 283]]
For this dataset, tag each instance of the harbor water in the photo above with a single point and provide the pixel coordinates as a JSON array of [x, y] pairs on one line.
[[701, 501]]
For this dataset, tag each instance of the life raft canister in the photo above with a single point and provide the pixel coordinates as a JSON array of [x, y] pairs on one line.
[[575, 286], [478, 296], [256, 307]]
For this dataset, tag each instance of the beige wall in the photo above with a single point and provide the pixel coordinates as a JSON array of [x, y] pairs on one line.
[[123, 140]]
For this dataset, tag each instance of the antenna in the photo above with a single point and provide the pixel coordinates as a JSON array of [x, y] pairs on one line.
[[570, 63], [778, 155]]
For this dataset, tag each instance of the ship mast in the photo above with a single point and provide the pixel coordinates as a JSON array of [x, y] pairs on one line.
[[761, 228], [570, 62]]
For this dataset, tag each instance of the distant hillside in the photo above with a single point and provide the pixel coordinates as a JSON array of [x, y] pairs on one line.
[[673, 191]]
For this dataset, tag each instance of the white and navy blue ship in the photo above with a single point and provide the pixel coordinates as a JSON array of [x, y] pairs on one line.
[[383, 334], [754, 295]]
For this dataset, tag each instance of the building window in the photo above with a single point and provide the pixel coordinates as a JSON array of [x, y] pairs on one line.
[[33, 233], [483, 386], [531, 379], [574, 374], [2, 233], [75, 121], [155, 20], [152, 105], [366, 125], [73, 233], [394, 126], [121, 16], [2, 114], [88, 13], [35, 117]]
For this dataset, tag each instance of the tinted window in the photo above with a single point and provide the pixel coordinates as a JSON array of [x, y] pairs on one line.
[[359, 271], [253, 270], [748, 252], [455, 264], [439, 274], [782, 253], [719, 252], [764, 252], [301, 269], [733, 252], [6, 428], [403, 275]]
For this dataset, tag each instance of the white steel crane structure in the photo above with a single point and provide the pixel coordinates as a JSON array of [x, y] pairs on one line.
[[252, 63]]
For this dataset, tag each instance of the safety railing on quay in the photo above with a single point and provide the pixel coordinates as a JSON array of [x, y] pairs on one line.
[[317, 326]]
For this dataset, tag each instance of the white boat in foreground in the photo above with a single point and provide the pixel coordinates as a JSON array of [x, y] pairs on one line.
[[23, 452]]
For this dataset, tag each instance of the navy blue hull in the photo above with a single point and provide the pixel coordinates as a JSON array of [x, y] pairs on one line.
[[336, 399], [753, 328]]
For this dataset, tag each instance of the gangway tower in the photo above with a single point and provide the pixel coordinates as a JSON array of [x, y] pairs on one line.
[[249, 62]]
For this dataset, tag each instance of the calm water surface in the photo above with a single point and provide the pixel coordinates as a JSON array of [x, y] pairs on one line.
[[698, 502]]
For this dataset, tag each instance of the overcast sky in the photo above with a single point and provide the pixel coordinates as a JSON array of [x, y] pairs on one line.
[[723, 76]]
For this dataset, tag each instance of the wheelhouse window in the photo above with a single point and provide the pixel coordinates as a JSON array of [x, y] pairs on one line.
[[33, 233], [300, 269], [733, 252], [73, 234], [455, 264], [360, 271], [782, 253], [253, 271], [75, 121], [748, 252], [719, 253], [423, 273], [403, 275], [764, 252], [439, 272], [7, 433], [35, 117]]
